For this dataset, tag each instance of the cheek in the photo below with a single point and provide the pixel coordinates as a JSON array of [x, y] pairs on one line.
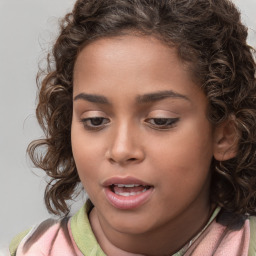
[[185, 154], [86, 162], [86, 153]]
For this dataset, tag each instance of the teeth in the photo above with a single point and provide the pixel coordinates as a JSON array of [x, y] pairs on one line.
[[127, 185], [129, 194]]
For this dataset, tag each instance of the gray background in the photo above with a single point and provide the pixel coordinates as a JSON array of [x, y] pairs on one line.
[[27, 27]]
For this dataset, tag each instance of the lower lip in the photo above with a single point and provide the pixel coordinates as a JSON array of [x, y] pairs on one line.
[[127, 202]]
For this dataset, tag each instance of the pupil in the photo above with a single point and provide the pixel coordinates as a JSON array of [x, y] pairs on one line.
[[160, 121], [97, 121]]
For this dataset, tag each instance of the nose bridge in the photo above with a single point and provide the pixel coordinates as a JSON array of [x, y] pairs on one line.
[[125, 143]]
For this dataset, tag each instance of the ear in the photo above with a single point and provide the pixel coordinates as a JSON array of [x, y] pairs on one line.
[[226, 139]]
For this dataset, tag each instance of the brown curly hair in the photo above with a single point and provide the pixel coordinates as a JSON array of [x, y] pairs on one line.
[[209, 37]]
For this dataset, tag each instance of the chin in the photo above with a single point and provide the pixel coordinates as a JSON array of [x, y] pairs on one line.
[[132, 225]]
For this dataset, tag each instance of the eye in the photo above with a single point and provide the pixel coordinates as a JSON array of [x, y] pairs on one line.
[[162, 123], [94, 123]]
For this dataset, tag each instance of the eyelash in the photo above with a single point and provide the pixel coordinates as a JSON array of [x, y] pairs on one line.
[[88, 123], [168, 123]]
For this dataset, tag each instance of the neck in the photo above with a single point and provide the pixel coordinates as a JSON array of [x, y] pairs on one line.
[[165, 240]]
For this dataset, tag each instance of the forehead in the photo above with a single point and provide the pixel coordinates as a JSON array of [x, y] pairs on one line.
[[130, 63], [126, 52]]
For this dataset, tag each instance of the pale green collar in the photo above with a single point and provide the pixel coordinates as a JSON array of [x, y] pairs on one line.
[[183, 250], [82, 232], [87, 243]]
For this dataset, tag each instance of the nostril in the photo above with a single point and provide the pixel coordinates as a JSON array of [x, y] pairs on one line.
[[132, 159], [112, 160]]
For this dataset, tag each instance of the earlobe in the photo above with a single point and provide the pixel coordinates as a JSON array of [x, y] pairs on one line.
[[226, 139]]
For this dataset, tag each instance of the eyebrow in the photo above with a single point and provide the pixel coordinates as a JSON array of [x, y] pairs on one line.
[[145, 98], [95, 98], [161, 95]]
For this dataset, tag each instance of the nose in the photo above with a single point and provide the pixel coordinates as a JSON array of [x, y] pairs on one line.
[[125, 146]]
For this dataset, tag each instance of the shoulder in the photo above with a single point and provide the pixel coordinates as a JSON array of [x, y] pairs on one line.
[[16, 241], [68, 236], [49, 236], [252, 246]]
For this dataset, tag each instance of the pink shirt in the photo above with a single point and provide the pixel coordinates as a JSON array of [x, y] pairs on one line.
[[75, 238]]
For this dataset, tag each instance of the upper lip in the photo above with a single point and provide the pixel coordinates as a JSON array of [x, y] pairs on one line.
[[124, 180]]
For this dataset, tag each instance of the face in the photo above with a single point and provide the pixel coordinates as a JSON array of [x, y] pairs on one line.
[[140, 136]]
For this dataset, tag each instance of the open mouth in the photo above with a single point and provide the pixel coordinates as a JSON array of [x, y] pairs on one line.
[[128, 189], [127, 193]]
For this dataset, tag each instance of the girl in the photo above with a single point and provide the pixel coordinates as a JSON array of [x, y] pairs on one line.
[[151, 105]]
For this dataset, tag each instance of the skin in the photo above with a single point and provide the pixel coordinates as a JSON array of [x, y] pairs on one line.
[[128, 141]]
